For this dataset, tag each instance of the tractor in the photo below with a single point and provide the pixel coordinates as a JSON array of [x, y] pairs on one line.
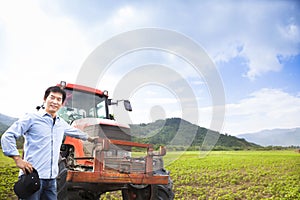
[[88, 170]]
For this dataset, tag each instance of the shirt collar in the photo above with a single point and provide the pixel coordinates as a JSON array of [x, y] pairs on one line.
[[43, 113]]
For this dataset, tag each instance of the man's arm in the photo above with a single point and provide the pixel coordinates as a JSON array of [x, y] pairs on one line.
[[9, 149], [9, 146], [76, 131]]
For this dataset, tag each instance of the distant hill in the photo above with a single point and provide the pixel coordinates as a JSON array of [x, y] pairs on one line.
[[179, 132], [274, 137], [5, 122], [175, 131], [3, 128]]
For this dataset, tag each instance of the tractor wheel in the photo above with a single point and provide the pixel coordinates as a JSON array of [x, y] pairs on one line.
[[149, 192], [82, 195], [61, 180], [134, 192], [163, 192]]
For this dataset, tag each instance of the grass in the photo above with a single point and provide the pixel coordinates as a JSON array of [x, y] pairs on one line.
[[237, 175], [218, 175], [8, 176]]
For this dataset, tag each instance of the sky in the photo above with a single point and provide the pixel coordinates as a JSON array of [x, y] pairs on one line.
[[254, 46]]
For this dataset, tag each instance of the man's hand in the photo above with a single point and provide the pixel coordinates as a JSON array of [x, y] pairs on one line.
[[93, 139], [22, 164]]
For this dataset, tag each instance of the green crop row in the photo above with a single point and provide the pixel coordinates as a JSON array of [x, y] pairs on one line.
[[237, 175], [217, 175], [8, 176]]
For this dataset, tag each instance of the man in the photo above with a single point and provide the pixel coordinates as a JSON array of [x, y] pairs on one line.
[[43, 132]]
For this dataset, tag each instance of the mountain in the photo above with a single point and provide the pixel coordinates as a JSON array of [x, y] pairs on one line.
[[274, 137], [174, 132], [5, 122], [4, 119], [3, 128], [180, 133]]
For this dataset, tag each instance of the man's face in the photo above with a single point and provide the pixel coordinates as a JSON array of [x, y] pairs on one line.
[[53, 103]]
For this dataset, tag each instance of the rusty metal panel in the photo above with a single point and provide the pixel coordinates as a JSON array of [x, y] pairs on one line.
[[103, 177]]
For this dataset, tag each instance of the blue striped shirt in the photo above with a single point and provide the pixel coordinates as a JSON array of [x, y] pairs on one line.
[[43, 139]]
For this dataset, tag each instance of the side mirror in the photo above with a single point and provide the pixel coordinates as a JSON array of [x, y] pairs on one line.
[[127, 105]]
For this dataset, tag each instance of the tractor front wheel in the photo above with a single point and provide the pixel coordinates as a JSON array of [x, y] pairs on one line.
[[61, 180], [149, 192]]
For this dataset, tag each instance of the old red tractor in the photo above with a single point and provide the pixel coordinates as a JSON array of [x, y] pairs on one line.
[[88, 170]]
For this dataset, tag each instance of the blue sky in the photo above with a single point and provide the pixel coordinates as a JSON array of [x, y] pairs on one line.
[[255, 46]]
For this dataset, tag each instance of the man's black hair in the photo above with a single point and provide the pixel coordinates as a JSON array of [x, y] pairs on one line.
[[55, 89]]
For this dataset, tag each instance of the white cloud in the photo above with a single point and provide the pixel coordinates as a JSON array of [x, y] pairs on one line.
[[41, 47], [261, 60], [257, 32], [264, 109], [290, 32], [40, 50], [120, 19], [123, 16]]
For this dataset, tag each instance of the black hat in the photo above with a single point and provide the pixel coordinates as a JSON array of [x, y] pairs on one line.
[[27, 184]]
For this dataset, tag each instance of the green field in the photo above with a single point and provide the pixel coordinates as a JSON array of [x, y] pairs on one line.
[[237, 175], [8, 176], [218, 175]]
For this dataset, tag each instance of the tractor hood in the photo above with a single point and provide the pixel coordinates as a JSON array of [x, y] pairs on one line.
[[85, 122]]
